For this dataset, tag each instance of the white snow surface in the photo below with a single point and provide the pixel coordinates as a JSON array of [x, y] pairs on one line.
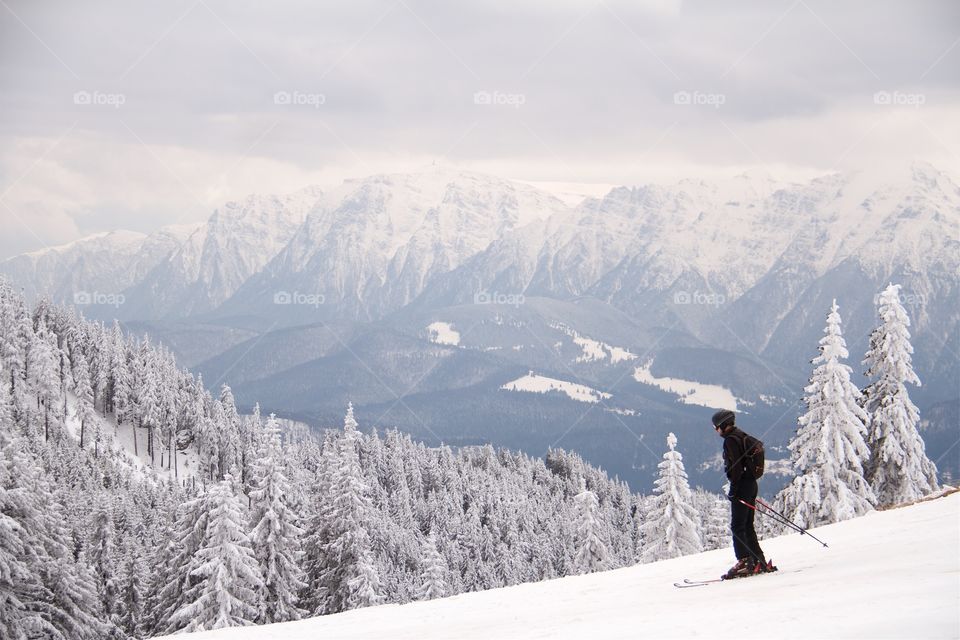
[[689, 391], [594, 350], [890, 574], [443, 333], [542, 384]]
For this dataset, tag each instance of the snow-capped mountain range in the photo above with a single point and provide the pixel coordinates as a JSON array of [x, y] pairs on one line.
[[716, 283], [208, 267], [374, 245]]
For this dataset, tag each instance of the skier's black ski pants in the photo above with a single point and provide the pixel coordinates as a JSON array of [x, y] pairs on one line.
[[745, 543]]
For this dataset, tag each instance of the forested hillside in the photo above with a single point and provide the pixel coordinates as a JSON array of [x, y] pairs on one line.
[[134, 502]]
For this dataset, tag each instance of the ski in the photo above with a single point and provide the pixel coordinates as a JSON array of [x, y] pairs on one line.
[[687, 583]]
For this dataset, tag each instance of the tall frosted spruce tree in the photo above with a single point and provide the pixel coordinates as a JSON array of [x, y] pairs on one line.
[[349, 578], [591, 551], [227, 577], [672, 528], [829, 450], [275, 535], [898, 470]]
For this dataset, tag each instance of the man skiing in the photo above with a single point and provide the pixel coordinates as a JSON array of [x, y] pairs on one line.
[[743, 487]]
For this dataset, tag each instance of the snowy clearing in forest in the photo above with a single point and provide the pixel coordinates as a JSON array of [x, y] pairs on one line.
[[594, 350], [121, 438], [443, 333], [690, 392], [534, 383], [889, 574]]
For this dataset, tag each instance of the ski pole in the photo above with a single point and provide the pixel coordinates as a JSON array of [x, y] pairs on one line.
[[789, 522], [771, 516], [777, 517]]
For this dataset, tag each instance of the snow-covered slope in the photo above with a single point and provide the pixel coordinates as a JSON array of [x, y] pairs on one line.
[[891, 574]]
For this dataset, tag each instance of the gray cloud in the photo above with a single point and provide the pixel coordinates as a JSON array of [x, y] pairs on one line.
[[587, 92]]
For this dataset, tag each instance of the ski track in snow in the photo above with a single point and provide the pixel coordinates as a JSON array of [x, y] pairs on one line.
[[891, 574]]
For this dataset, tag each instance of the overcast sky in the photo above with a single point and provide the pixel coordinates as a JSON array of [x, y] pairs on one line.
[[134, 114]]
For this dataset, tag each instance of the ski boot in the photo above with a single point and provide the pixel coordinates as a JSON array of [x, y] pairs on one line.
[[763, 566], [744, 567]]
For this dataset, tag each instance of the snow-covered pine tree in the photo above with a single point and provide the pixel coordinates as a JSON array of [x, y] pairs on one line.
[[6, 402], [120, 374], [100, 356], [51, 594], [74, 600], [84, 393], [275, 536], [133, 573], [591, 551], [829, 450], [351, 579], [148, 396], [672, 526], [16, 335], [43, 367], [434, 570], [318, 530], [19, 582], [254, 439], [230, 443], [899, 469], [209, 436], [714, 513], [103, 559], [229, 579], [168, 397], [170, 585]]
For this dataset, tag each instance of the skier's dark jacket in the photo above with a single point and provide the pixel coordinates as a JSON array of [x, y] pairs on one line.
[[733, 459]]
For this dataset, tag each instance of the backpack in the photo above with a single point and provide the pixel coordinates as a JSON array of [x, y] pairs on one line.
[[753, 455]]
